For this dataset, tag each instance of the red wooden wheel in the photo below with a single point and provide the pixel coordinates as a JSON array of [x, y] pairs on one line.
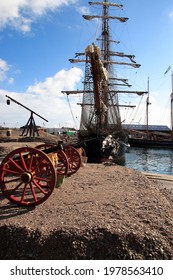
[[74, 159], [62, 165], [28, 176]]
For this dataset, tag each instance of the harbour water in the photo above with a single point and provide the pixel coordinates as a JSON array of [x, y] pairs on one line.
[[150, 160]]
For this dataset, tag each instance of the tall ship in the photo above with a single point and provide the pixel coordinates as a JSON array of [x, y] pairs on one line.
[[100, 132]]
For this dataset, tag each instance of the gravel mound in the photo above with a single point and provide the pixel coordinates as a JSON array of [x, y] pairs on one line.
[[101, 212], [97, 244]]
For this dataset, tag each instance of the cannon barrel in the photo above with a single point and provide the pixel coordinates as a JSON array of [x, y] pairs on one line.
[[53, 149]]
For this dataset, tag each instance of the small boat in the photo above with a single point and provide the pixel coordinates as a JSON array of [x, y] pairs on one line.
[[100, 132], [148, 143], [153, 139]]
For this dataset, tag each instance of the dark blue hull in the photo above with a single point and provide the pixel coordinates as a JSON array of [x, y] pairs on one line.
[[145, 143]]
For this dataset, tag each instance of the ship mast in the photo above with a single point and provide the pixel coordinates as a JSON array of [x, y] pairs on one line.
[[106, 50], [172, 106], [105, 96], [147, 108], [103, 93]]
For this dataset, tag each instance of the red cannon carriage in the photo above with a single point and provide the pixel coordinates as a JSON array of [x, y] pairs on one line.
[[29, 175]]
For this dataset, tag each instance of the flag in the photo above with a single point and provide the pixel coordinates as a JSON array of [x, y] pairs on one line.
[[169, 68]]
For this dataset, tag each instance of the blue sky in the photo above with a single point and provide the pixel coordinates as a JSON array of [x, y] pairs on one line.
[[37, 38]]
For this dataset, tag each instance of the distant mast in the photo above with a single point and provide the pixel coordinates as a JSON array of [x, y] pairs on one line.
[[147, 107], [172, 106]]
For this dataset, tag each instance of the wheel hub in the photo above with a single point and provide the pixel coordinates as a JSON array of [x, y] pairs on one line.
[[25, 177]]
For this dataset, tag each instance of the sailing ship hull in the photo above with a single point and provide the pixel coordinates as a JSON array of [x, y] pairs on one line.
[[97, 154], [146, 143]]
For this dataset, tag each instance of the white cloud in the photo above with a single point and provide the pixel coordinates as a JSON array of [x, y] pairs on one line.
[[61, 80], [84, 10], [20, 14], [11, 80], [4, 75], [4, 67], [46, 99], [171, 15]]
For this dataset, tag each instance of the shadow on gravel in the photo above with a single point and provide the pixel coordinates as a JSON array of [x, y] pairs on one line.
[[10, 210], [21, 243]]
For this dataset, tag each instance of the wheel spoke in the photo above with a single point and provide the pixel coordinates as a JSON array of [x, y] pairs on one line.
[[63, 164], [10, 171], [73, 165], [31, 162], [33, 192], [23, 194], [42, 179], [16, 165], [23, 161], [13, 190], [37, 164], [39, 187]]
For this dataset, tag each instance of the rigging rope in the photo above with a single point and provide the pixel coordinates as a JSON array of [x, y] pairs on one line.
[[71, 112], [97, 28], [137, 109]]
